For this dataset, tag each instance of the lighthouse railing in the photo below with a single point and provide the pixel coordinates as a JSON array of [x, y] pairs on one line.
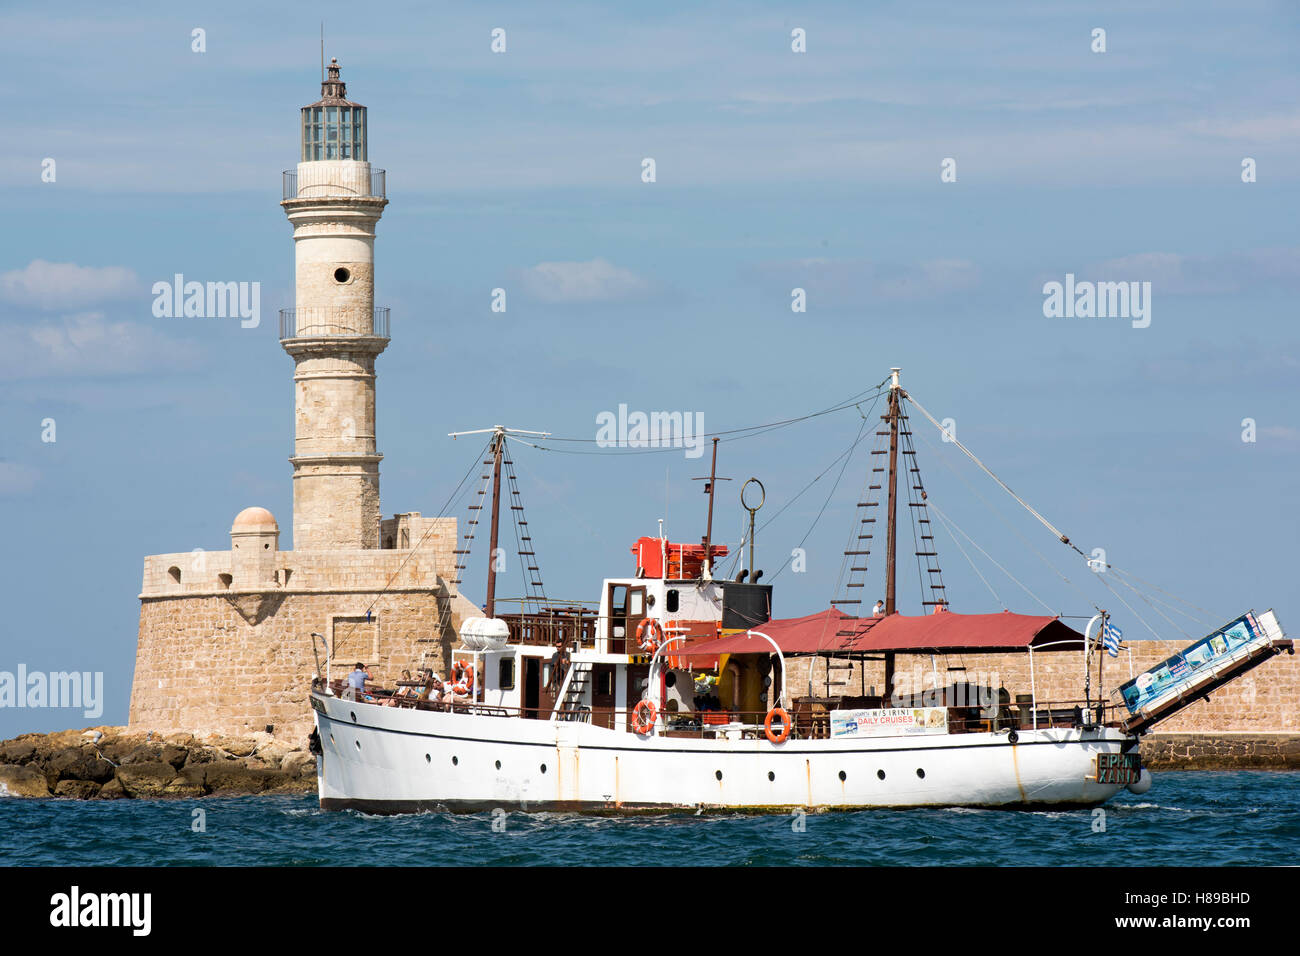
[[335, 180], [317, 321]]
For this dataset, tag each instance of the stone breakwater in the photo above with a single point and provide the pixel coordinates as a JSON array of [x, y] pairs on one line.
[[108, 763], [1225, 751]]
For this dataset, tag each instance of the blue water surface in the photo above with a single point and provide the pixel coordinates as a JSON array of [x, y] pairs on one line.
[[1186, 819]]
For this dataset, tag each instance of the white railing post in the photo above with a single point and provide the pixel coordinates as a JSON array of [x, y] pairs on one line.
[[1033, 690]]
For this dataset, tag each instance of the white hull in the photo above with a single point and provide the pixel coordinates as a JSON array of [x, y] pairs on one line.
[[393, 760]]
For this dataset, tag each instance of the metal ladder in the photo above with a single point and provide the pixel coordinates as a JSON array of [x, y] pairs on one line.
[[569, 706]]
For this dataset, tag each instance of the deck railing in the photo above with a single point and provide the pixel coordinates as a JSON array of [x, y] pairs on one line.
[[551, 625]]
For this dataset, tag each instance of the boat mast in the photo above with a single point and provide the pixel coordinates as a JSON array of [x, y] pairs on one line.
[[499, 433], [489, 608], [713, 479], [891, 555]]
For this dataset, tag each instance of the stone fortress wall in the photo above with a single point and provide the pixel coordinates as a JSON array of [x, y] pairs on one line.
[[225, 636]]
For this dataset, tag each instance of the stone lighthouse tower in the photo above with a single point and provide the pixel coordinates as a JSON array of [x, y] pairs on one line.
[[229, 640], [334, 199]]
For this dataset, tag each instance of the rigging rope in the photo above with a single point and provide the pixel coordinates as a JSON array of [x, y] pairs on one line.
[[944, 521], [748, 431], [983, 467], [1209, 618], [442, 512], [1022, 586], [847, 456], [1010, 527]]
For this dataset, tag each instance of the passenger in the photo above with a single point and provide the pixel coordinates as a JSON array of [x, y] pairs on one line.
[[440, 695], [878, 610], [557, 660], [403, 691], [356, 683]]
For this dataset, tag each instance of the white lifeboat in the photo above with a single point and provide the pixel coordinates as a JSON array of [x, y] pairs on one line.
[[484, 633]]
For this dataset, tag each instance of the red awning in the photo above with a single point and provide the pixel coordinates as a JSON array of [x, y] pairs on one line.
[[832, 631]]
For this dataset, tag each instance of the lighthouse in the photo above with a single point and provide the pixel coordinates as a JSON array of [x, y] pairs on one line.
[[334, 333], [379, 590]]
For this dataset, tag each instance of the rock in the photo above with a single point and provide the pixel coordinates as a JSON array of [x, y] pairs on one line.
[[144, 753], [174, 755], [77, 789], [113, 790], [299, 763], [17, 751], [22, 781], [84, 764], [145, 779], [183, 786], [233, 776], [199, 755], [234, 746]]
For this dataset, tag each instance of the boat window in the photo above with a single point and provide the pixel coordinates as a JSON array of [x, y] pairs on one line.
[[605, 682], [637, 603], [506, 674], [618, 610], [674, 600], [546, 674]]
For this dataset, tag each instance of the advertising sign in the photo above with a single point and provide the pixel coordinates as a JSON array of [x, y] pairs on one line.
[[1191, 663], [889, 722]]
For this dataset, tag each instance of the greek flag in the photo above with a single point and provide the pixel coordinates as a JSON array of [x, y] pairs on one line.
[[1110, 638]]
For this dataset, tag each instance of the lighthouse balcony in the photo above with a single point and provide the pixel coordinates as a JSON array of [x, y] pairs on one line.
[[324, 321], [346, 179]]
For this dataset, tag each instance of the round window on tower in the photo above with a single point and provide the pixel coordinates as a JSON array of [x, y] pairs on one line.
[[342, 275]]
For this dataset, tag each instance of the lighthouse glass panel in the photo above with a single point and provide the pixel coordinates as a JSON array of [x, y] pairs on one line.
[[333, 132]]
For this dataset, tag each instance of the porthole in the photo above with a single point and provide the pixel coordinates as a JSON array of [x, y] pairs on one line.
[[342, 275], [543, 768], [428, 759], [843, 776], [498, 764], [455, 761], [353, 715], [358, 743], [718, 774], [332, 740], [920, 773], [880, 774], [771, 775]]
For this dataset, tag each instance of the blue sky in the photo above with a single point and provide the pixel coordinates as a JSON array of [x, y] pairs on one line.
[[775, 170]]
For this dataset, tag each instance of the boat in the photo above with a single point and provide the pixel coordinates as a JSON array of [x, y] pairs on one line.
[[671, 692]]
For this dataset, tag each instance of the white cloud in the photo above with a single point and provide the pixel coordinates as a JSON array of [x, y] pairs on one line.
[[16, 479], [1202, 275], [594, 281], [86, 344], [65, 285], [1260, 129], [1282, 433], [855, 282]]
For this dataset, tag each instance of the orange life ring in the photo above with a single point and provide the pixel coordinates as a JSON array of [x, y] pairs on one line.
[[643, 716], [650, 634], [785, 725]]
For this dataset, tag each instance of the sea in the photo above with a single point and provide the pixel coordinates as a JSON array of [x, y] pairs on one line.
[[1203, 818]]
